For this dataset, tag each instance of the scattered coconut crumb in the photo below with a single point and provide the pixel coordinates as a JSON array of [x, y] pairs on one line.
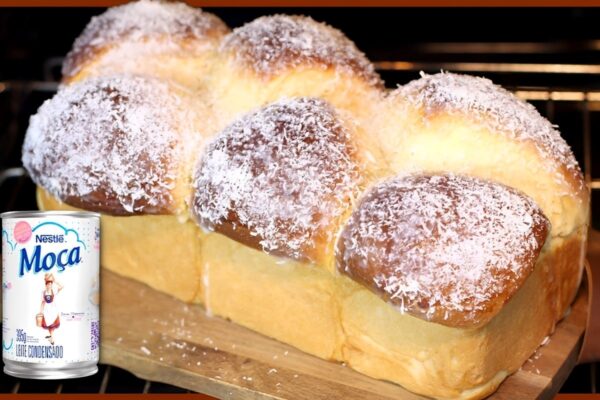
[[545, 341]]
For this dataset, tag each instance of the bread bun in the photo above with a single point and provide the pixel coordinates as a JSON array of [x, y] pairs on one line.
[[290, 56], [157, 38], [449, 249], [119, 145], [468, 125], [281, 178]]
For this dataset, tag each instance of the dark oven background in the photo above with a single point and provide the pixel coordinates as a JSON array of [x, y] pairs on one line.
[[550, 57]]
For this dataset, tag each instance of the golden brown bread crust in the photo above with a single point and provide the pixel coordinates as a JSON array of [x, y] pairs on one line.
[[177, 26], [280, 179], [270, 45], [565, 271], [468, 125], [113, 145], [449, 249], [492, 106], [277, 57]]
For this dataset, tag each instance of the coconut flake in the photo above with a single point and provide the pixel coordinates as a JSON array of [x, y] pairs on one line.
[[144, 26], [497, 109], [283, 174], [277, 43], [111, 144], [447, 248]]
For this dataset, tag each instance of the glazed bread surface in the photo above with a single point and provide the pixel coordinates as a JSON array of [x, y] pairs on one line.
[[467, 124]]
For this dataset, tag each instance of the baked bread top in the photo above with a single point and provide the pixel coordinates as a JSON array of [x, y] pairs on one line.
[[500, 111], [279, 179], [126, 38], [446, 248], [273, 44], [115, 145]]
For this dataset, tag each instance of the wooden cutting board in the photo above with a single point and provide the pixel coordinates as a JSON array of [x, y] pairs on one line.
[[159, 338]]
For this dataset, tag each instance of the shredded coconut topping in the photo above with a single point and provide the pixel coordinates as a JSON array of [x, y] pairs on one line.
[[447, 248], [498, 109], [280, 42], [140, 22], [109, 144], [278, 178]]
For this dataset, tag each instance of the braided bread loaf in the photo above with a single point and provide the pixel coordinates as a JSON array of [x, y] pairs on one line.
[[415, 234]]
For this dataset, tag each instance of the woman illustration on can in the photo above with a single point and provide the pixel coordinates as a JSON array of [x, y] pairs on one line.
[[48, 310]]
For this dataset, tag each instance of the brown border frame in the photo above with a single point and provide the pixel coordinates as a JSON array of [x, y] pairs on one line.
[[318, 3]]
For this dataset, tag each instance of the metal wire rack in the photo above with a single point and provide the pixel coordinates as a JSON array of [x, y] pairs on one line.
[[108, 380], [574, 108]]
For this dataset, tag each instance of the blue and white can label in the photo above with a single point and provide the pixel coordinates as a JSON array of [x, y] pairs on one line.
[[50, 287]]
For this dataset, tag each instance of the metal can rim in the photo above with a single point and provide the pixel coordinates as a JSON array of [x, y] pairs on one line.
[[40, 214]]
